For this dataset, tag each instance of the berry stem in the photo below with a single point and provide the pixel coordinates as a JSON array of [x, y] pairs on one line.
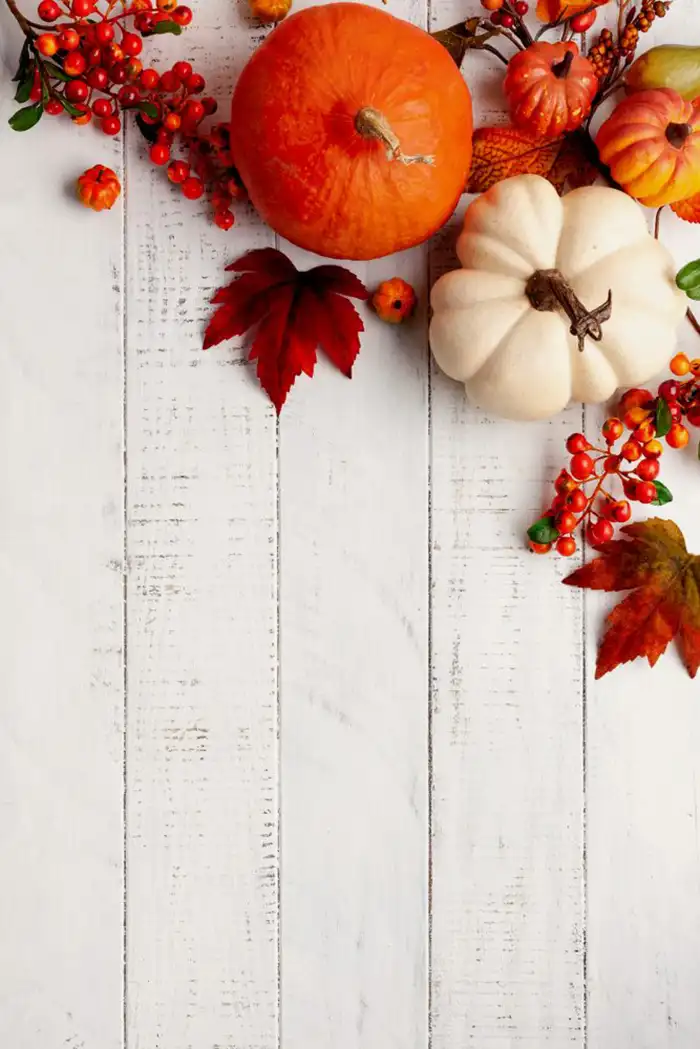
[[694, 322], [24, 23]]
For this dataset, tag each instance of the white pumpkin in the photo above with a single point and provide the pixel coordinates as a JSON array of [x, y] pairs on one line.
[[503, 324]]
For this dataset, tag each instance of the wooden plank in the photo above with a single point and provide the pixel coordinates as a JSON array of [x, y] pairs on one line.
[[202, 686], [62, 587], [353, 467], [643, 798], [507, 711]]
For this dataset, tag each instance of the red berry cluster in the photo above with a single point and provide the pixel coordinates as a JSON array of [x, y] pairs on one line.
[[633, 448], [504, 13], [88, 66]]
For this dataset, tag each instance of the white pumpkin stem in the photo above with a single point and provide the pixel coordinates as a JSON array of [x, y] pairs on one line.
[[370, 123], [549, 290]]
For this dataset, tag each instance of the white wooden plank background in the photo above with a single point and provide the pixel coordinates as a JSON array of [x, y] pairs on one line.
[[300, 746]]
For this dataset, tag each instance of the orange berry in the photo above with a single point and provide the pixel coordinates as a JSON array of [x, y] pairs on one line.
[[646, 492], [677, 436], [577, 500], [695, 366], [653, 449], [566, 546], [612, 430], [492, 5], [539, 548], [611, 464], [564, 482], [680, 365], [634, 416], [47, 44], [620, 511], [166, 5], [635, 398], [581, 466], [631, 450], [645, 431]]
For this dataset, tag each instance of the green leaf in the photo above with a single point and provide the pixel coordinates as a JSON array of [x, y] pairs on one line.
[[688, 279], [149, 131], [24, 60], [664, 419], [663, 495], [56, 72], [26, 118], [24, 88], [543, 531], [69, 107], [167, 27], [150, 109]]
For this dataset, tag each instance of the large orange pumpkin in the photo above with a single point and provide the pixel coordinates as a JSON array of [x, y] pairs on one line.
[[351, 130]]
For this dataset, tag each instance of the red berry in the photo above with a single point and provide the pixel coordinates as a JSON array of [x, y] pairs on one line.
[[496, 17], [564, 482], [182, 15], [49, 11], [118, 73], [631, 450], [565, 521], [183, 70], [577, 443], [144, 24], [225, 220], [620, 511], [675, 410], [612, 430], [693, 416], [193, 113], [178, 171], [82, 8], [599, 532], [193, 188], [210, 105], [77, 91], [507, 21], [104, 33], [93, 55], [129, 95], [102, 107], [111, 125], [74, 64], [669, 390], [645, 431], [566, 546], [98, 78], [653, 449], [611, 464], [677, 436], [581, 466], [521, 7], [629, 486], [580, 23], [577, 500], [35, 93], [159, 153], [131, 44], [150, 79], [648, 469], [646, 492], [170, 82], [69, 40], [195, 84], [47, 44], [53, 107]]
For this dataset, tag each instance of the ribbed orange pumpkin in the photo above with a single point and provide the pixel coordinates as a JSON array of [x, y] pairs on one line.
[[550, 88], [352, 131]]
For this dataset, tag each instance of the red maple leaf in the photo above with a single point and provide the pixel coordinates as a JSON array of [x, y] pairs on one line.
[[295, 311], [665, 600]]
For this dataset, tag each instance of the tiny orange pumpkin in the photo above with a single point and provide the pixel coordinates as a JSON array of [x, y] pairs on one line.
[[270, 10], [550, 88], [98, 188], [651, 144], [394, 300]]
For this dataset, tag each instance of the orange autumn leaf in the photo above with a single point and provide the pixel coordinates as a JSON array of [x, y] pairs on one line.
[[664, 603], [500, 152], [689, 209], [558, 10]]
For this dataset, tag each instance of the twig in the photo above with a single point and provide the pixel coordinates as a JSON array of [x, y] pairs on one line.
[[494, 51], [695, 323], [657, 222], [23, 23]]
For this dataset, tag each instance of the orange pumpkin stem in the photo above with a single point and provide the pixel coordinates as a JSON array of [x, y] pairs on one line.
[[561, 69], [548, 290], [370, 123]]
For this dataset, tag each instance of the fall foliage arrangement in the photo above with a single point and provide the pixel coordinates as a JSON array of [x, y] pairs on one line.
[[562, 293]]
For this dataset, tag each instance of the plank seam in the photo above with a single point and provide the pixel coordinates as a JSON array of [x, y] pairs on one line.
[[278, 754], [125, 601], [584, 785]]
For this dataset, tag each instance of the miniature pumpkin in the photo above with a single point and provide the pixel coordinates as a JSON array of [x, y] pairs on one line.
[[550, 88], [559, 299], [394, 300], [352, 131], [98, 188], [270, 10], [651, 144]]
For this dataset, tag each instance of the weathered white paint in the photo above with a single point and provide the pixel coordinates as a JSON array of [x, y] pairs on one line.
[[348, 687]]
